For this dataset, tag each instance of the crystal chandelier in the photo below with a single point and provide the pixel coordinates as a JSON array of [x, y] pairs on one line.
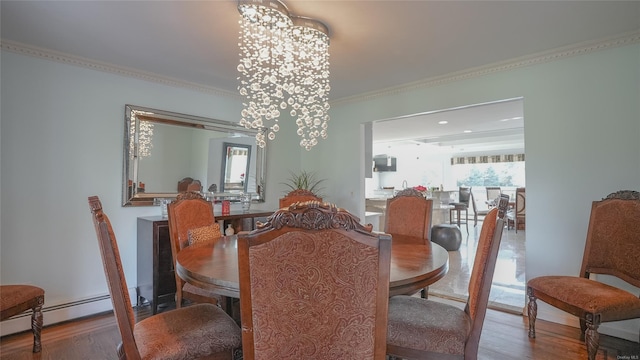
[[284, 66]]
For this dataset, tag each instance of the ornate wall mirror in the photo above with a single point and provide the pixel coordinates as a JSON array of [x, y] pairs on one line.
[[235, 167], [162, 148]]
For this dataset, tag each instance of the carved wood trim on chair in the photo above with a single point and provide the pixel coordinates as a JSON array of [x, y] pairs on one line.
[[294, 272], [313, 215]]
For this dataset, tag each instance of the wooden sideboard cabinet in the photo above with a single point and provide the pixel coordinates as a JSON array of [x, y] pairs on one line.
[[156, 276], [156, 279]]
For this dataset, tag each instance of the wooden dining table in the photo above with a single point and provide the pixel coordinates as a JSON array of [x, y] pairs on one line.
[[415, 264]]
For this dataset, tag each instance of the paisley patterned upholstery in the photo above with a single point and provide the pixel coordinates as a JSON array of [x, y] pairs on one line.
[[188, 212], [612, 248], [409, 213], [193, 332], [420, 328], [438, 327], [201, 331], [314, 284]]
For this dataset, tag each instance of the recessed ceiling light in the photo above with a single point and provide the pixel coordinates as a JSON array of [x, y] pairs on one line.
[[442, 122], [517, 118], [467, 131]]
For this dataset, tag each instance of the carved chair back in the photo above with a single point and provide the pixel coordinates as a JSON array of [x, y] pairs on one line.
[[613, 238], [189, 211], [115, 279], [484, 266], [409, 213], [314, 284]]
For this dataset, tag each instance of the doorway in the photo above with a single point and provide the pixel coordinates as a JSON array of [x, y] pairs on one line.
[[425, 148]]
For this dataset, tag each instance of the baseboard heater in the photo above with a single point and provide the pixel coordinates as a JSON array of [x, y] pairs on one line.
[[60, 313]]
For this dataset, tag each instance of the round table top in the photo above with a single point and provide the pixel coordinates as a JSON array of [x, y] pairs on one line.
[[414, 265]]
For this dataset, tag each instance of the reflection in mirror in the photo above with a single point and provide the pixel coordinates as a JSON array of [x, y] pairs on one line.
[[235, 167], [162, 149]]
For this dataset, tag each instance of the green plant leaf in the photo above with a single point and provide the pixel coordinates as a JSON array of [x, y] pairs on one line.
[[305, 181]]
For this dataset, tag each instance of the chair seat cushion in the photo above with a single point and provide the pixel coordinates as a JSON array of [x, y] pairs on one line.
[[14, 295], [427, 325], [589, 295], [187, 333], [459, 206]]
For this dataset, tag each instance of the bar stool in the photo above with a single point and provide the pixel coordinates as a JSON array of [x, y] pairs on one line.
[[464, 195], [457, 209]]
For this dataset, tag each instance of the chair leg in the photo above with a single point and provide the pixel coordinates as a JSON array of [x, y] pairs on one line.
[[36, 324], [532, 313], [466, 219], [424, 293], [592, 338], [179, 285]]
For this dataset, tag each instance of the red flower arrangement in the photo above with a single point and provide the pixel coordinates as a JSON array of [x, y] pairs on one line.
[[420, 188]]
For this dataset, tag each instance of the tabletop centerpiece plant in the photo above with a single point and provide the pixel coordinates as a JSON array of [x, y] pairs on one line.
[[304, 182], [422, 189]]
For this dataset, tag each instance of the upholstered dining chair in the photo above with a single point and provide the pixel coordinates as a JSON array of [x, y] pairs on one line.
[[516, 216], [424, 329], [193, 332], [184, 184], [298, 195], [18, 298], [195, 186], [612, 248], [493, 193], [409, 213], [191, 216], [314, 284], [477, 212]]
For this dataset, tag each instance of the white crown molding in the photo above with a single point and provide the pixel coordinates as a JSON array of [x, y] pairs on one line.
[[52, 55], [553, 55], [535, 59]]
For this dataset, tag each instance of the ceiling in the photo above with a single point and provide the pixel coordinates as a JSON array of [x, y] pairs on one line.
[[375, 45]]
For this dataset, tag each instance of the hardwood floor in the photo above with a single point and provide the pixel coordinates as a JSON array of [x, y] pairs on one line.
[[504, 337]]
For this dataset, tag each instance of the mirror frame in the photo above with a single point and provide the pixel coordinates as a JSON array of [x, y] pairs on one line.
[[130, 194], [223, 172]]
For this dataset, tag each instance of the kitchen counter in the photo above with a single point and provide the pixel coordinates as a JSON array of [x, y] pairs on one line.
[[378, 205]]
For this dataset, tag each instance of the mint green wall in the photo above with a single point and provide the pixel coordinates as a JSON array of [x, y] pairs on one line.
[[582, 142], [62, 132]]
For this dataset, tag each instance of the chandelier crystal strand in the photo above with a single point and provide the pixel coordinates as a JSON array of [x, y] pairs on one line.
[[284, 66], [265, 61], [310, 95]]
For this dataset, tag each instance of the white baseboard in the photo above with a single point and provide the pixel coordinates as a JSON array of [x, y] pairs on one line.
[[61, 312], [560, 317]]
